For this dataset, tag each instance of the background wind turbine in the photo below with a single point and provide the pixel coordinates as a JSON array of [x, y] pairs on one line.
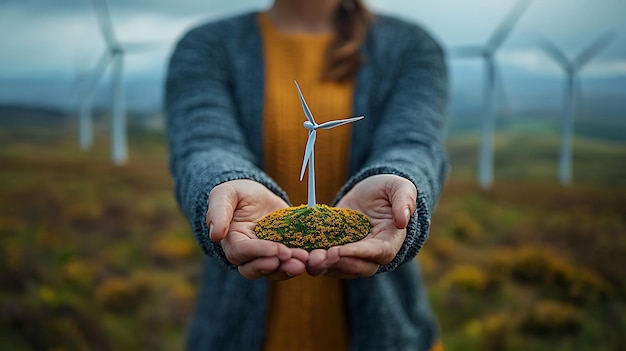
[[77, 92], [572, 94], [309, 153], [113, 54], [492, 78]]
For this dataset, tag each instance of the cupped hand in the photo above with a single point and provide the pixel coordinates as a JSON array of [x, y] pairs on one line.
[[234, 209], [388, 201]]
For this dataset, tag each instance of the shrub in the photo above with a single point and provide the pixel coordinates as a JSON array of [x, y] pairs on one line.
[[467, 278], [442, 247], [121, 293], [465, 227], [552, 317], [173, 249], [499, 265]]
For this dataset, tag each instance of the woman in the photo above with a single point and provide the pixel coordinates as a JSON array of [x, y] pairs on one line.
[[236, 142]]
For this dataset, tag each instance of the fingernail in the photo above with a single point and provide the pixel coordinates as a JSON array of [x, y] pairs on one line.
[[407, 214], [210, 231]]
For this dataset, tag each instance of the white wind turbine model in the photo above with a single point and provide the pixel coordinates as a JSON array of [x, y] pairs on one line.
[[114, 53], [492, 77], [309, 153], [572, 69]]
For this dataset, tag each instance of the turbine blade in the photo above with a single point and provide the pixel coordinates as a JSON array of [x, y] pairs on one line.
[[340, 122], [97, 72], [308, 152], [467, 51], [143, 46], [594, 48], [506, 26], [305, 107], [106, 25], [553, 51]]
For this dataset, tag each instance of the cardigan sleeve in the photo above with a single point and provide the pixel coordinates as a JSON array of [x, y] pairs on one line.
[[206, 141], [409, 137]]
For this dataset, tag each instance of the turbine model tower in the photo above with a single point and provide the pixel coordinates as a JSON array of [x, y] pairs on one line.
[[309, 153], [572, 69], [113, 54], [492, 77]]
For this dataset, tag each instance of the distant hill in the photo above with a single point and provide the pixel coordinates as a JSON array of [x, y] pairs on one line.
[[28, 116], [609, 128]]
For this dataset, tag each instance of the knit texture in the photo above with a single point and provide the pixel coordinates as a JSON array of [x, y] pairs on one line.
[[214, 101], [305, 313]]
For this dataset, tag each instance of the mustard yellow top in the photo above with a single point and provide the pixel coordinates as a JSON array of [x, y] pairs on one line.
[[304, 313]]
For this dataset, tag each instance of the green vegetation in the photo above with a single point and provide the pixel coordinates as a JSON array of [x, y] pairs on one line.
[[92, 256], [313, 228], [98, 257]]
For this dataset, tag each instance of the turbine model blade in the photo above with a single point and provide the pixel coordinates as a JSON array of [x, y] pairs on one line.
[[467, 51], [593, 49], [506, 26], [554, 52], [305, 107], [337, 123], [308, 152], [106, 25]]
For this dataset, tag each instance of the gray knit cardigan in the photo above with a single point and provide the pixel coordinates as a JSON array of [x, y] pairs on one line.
[[214, 103]]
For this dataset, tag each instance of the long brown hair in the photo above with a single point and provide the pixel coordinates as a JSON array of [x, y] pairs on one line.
[[343, 56]]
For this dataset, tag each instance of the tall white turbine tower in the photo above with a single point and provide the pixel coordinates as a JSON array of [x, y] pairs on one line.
[[572, 70], [77, 91], [113, 54], [492, 76]]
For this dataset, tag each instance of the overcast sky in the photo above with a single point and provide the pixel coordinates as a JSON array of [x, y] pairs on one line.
[[45, 40]]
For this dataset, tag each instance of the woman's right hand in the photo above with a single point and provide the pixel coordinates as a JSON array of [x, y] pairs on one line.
[[234, 208]]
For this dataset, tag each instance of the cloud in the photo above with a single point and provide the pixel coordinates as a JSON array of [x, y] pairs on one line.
[[52, 39], [603, 69], [534, 61], [530, 60]]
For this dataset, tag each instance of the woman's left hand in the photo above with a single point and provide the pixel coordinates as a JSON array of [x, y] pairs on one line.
[[388, 201]]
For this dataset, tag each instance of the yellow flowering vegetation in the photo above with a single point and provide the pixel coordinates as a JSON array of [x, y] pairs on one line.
[[313, 228]]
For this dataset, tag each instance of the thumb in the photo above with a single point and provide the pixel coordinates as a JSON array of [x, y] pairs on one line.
[[222, 205], [403, 199]]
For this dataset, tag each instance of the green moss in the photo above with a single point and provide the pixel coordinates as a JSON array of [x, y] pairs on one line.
[[313, 228]]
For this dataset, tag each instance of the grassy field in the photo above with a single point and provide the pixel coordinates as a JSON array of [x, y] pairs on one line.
[[98, 257]]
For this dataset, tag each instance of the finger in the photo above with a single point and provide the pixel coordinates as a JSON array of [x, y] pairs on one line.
[[320, 261], [259, 267], [373, 250], [316, 258], [350, 268], [222, 204], [403, 199], [292, 267], [244, 250], [300, 254]]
